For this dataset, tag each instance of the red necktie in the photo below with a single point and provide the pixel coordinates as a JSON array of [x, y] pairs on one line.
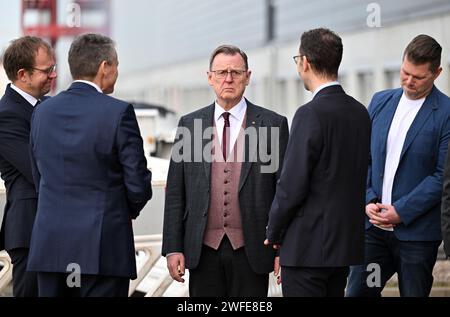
[[226, 134]]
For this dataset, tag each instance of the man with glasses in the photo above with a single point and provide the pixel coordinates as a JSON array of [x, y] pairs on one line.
[[30, 66], [316, 219], [217, 206]]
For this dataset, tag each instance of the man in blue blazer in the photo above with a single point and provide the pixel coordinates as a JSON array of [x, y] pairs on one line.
[[92, 179], [30, 66], [410, 134]]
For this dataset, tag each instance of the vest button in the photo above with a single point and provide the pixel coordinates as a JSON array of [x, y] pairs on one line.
[[225, 215], [226, 204], [225, 193], [225, 225], [226, 182]]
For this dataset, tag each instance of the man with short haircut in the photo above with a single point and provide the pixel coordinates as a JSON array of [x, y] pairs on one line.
[[316, 218], [410, 135], [29, 64], [92, 178], [216, 208]]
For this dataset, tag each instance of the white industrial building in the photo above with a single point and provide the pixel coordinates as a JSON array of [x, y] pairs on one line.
[[375, 35]]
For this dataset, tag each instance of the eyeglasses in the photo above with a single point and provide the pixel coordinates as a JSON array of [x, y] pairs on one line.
[[297, 58], [223, 73], [47, 71]]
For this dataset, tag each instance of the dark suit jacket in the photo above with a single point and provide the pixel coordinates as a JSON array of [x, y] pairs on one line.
[[318, 212], [188, 191], [15, 169], [417, 190], [92, 178]]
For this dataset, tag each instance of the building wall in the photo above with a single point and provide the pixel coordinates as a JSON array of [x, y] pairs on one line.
[[372, 57]]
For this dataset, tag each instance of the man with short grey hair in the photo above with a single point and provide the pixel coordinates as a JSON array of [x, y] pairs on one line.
[[217, 207], [92, 178]]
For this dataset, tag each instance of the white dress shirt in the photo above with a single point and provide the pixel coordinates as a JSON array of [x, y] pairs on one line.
[[237, 115], [31, 100], [89, 83], [332, 83], [405, 114]]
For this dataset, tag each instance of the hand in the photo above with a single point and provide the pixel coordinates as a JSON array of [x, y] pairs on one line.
[[277, 270], [372, 210], [376, 217], [175, 264], [275, 246], [390, 214]]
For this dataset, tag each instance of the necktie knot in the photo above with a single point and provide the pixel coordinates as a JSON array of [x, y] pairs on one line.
[[226, 117]]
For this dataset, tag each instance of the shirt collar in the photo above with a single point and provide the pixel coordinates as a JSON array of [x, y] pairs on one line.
[[333, 83], [89, 83], [31, 100], [238, 111]]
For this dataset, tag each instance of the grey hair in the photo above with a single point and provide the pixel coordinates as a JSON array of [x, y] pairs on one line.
[[87, 52], [228, 50]]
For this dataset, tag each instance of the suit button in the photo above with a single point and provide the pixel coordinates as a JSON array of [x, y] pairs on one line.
[[226, 171]]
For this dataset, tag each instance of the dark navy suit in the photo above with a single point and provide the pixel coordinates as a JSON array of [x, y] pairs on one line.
[[416, 195], [92, 178], [15, 169], [318, 212]]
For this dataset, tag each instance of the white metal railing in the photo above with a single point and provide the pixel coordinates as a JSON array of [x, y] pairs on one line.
[[6, 272], [151, 247], [158, 281]]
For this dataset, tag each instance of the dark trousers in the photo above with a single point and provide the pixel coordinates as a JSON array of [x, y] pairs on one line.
[[314, 281], [55, 285], [25, 283], [226, 273], [412, 261]]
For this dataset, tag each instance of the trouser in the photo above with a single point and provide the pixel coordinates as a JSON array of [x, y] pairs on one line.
[[314, 281], [413, 261], [226, 273], [56, 285], [25, 283]]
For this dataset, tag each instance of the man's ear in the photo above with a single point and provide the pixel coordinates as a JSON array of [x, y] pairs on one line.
[[438, 73], [305, 64], [209, 75], [249, 75], [103, 68], [21, 75]]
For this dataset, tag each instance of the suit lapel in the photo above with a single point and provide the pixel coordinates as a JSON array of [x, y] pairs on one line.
[[207, 122], [424, 113], [25, 106], [253, 120]]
